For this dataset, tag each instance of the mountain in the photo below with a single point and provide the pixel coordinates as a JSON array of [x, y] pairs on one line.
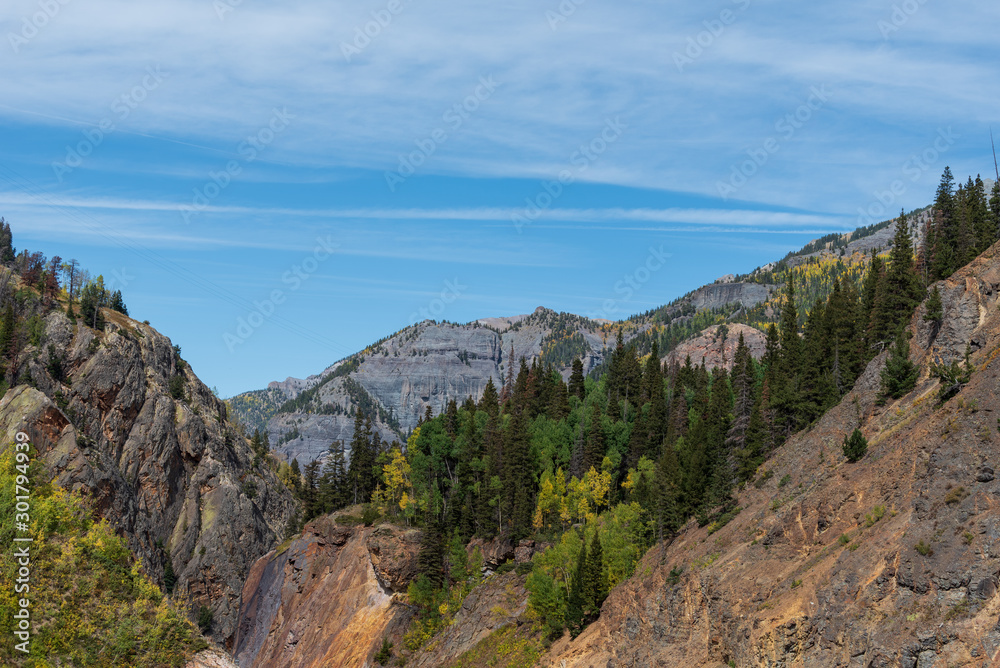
[[429, 363], [424, 365], [892, 560], [119, 418]]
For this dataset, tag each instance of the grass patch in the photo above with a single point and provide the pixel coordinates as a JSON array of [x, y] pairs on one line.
[[877, 513], [507, 647], [956, 495]]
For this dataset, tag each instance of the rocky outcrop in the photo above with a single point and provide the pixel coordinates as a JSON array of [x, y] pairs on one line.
[[172, 475], [717, 295], [716, 349], [328, 598], [494, 604], [890, 561]]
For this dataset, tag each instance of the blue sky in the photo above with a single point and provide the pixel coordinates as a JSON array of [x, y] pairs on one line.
[[217, 158]]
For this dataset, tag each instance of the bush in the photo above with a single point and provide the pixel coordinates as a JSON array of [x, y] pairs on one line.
[[855, 446], [384, 655], [204, 618], [923, 548], [370, 515], [177, 386]]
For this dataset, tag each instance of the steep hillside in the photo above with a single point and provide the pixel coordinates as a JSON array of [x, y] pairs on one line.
[[890, 561], [327, 598], [118, 417]]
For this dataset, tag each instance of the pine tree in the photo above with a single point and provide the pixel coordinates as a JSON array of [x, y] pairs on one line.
[[311, 505], [576, 380], [596, 447], [743, 384], [7, 254], [900, 374], [518, 484], [576, 601], [430, 558], [855, 446], [595, 579], [943, 261], [490, 401], [360, 472], [117, 303]]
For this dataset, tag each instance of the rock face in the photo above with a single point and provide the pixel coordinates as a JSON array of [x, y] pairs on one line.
[[891, 561], [717, 295], [328, 598], [424, 365], [716, 350], [496, 603], [171, 474]]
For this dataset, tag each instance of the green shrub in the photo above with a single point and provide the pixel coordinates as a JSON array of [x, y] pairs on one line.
[[877, 513], [384, 655], [204, 618], [923, 548], [855, 446], [177, 386]]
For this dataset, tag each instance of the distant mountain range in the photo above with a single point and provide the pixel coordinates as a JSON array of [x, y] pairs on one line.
[[430, 363]]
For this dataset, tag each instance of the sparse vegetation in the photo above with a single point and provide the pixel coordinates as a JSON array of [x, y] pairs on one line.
[[956, 495], [923, 548]]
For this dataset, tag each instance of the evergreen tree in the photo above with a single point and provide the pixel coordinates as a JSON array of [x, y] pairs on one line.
[[360, 473], [900, 374], [430, 558], [595, 579], [577, 601], [490, 401], [855, 446], [576, 380], [518, 482], [117, 303], [934, 311], [744, 385], [311, 505], [943, 260], [596, 444], [7, 254]]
